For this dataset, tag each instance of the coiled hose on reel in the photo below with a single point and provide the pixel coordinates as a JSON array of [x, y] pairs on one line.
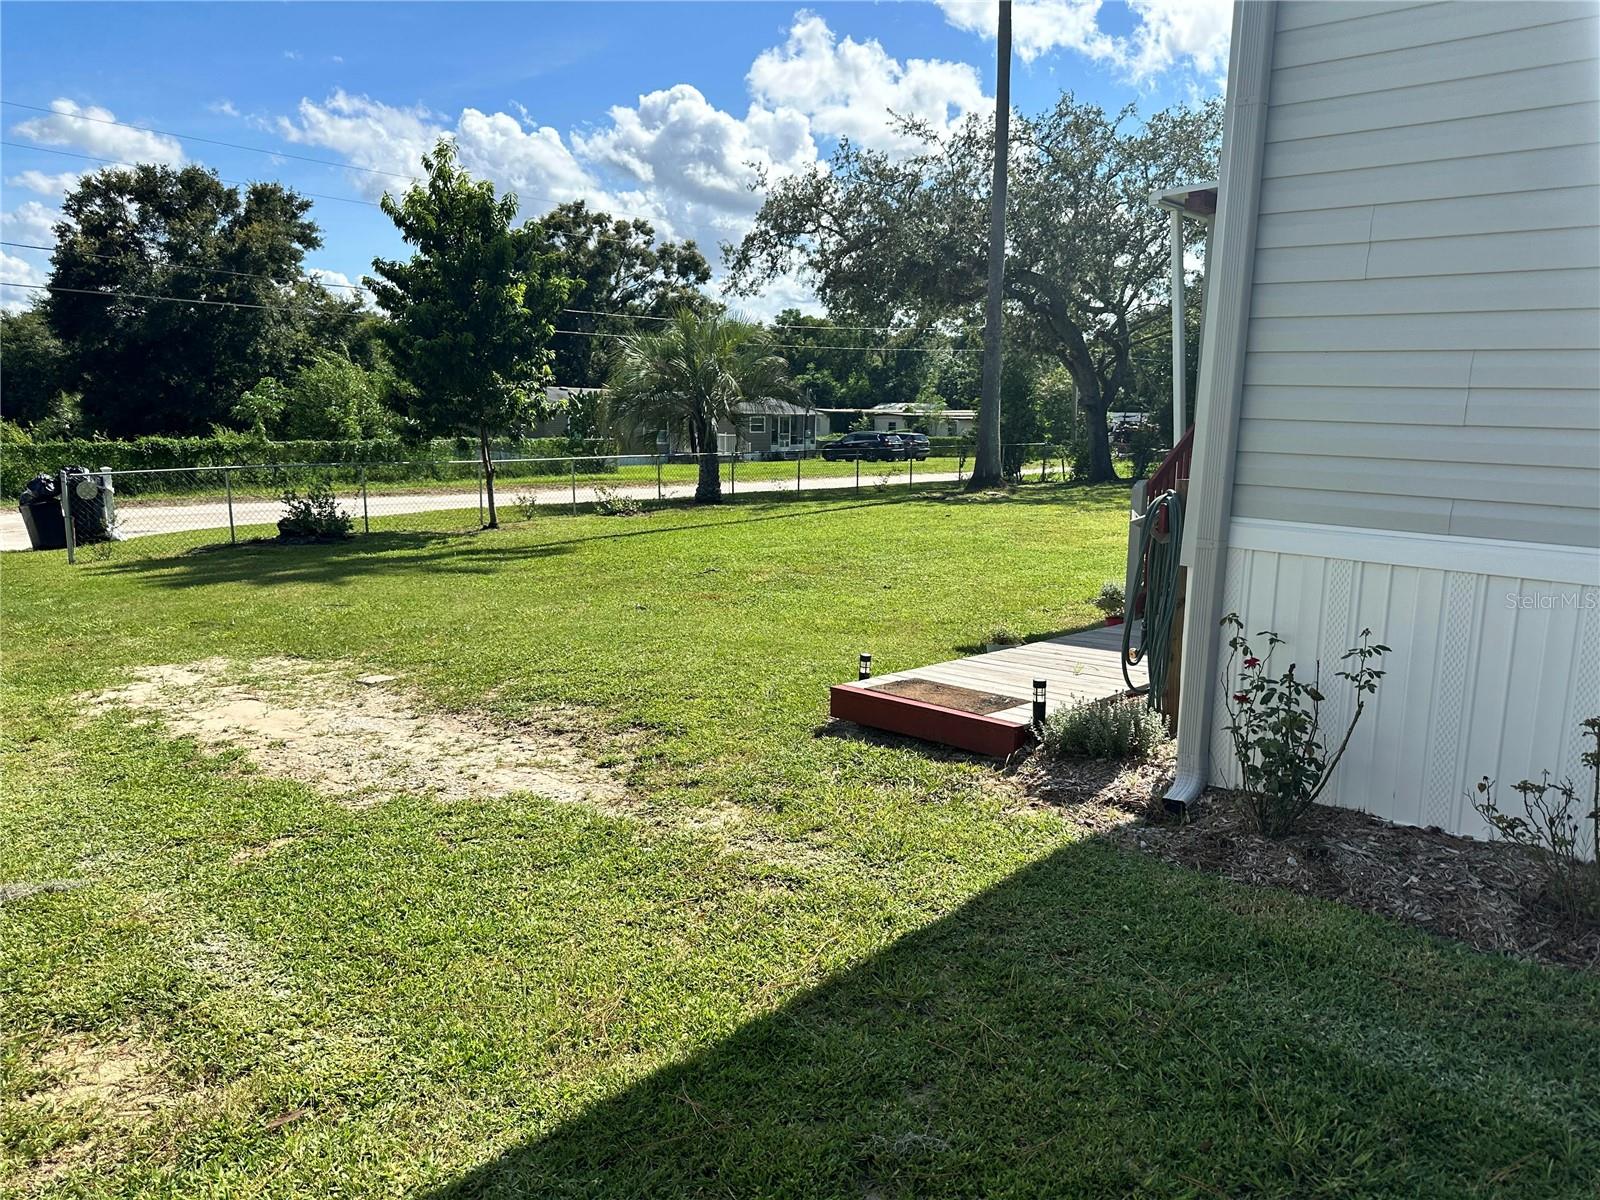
[[1155, 573]]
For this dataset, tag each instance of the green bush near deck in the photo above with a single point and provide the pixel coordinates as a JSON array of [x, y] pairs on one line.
[[1115, 729]]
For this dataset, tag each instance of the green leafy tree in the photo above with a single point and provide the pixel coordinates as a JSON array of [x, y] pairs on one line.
[[472, 311], [621, 273], [905, 238], [32, 372], [691, 374], [232, 258], [330, 399]]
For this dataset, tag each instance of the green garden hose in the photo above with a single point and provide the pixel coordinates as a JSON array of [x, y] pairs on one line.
[[1156, 574]]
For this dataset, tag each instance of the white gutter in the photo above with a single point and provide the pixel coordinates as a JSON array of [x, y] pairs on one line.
[[1229, 272]]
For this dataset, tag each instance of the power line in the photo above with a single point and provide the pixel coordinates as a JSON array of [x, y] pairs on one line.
[[117, 162], [308, 278], [191, 137], [312, 278], [114, 295]]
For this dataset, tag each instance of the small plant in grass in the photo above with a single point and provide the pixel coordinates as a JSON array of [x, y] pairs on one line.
[[527, 504], [1552, 818], [1003, 636], [314, 517], [1110, 601], [609, 502], [1275, 722], [1103, 729]]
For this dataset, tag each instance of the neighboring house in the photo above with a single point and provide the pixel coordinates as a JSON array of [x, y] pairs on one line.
[[1398, 419], [776, 427], [760, 427], [896, 418]]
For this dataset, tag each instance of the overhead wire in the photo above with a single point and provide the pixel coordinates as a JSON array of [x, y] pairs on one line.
[[56, 288]]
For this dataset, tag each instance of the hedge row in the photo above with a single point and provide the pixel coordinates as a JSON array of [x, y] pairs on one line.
[[395, 460]]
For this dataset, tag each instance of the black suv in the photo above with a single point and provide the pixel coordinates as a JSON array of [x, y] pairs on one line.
[[916, 445], [872, 447]]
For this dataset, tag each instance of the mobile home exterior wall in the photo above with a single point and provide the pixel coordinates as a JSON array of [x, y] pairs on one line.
[[1418, 439]]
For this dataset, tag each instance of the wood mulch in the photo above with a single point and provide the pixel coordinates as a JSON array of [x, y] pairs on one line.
[[1484, 894]]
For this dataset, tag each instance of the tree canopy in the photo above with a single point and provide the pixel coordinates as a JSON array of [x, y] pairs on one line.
[[903, 239], [472, 311], [229, 261], [619, 271]]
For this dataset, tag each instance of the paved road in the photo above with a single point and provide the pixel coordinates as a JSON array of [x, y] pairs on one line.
[[138, 520]]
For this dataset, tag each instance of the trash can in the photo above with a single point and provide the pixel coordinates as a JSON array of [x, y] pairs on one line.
[[40, 503], [89, 497]]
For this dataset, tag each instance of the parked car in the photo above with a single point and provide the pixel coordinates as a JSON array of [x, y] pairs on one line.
[[871, 447], [917, 446]]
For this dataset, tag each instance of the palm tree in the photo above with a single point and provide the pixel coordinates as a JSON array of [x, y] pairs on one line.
[[690, 374]]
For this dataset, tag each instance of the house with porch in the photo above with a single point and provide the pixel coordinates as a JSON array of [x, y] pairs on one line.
[[1397, 424], [1397, 418]]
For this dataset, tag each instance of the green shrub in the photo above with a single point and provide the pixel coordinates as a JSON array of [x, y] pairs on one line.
[[609, 502], [1123, 728], [314, 517], [1110, 600]]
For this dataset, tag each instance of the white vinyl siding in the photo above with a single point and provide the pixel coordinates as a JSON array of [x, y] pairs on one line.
[[1424, 338]]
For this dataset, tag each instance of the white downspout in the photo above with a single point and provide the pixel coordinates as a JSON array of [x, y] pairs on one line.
[[1180, 372], [1230, 270]]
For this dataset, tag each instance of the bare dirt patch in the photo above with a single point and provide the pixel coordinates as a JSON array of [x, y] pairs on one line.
[[116, 1076], [359, 742], [1476, 892]]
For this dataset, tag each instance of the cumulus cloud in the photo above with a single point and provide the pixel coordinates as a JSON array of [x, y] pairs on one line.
[[83, 127], [856, 89], [531, 160], [1167, 33], [340, 285], [44, 183], [30, 222], [15, 269], [673, 157]]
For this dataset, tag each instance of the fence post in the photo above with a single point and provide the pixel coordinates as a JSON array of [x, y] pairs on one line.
[[366, 523], [574, 464], [66, 517], [479, 471], [227, 486], [911, 473], [733, 472], [658, 478], [799, 454]]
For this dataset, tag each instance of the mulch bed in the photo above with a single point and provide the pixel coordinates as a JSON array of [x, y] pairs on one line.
[[1481, 893]]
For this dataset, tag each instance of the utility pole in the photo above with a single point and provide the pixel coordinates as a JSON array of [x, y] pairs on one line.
[[986, 460]]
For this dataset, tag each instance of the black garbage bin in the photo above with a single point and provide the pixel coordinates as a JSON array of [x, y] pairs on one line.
[[40, 503]]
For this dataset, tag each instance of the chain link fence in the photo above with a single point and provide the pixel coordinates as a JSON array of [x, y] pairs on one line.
[[118, 513]]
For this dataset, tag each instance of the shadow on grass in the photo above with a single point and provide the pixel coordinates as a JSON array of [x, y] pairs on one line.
[[1094, 1025], [472, 551]]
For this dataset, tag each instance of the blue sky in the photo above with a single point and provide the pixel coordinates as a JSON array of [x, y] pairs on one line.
[[651, 109]]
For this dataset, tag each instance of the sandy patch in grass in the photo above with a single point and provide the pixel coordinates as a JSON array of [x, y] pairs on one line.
[[357, 742], [116, 1077]]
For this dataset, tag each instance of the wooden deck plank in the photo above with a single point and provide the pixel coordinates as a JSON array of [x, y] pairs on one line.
[[1075, 667]]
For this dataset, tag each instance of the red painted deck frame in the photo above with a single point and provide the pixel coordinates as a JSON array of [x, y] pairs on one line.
[[931, 722]]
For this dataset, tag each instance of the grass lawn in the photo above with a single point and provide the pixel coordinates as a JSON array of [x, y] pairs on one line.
[[798, 965]]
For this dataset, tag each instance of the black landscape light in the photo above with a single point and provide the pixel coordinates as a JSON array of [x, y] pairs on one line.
[[1038, 701], [864, 671]]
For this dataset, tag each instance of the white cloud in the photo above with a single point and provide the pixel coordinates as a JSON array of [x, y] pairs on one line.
[[1168, 33], [223, 108], [532, 161], [30, 222], [339, 284], [44, 183], [83, 127], [673, 157], [855, 89], [16, 269]]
